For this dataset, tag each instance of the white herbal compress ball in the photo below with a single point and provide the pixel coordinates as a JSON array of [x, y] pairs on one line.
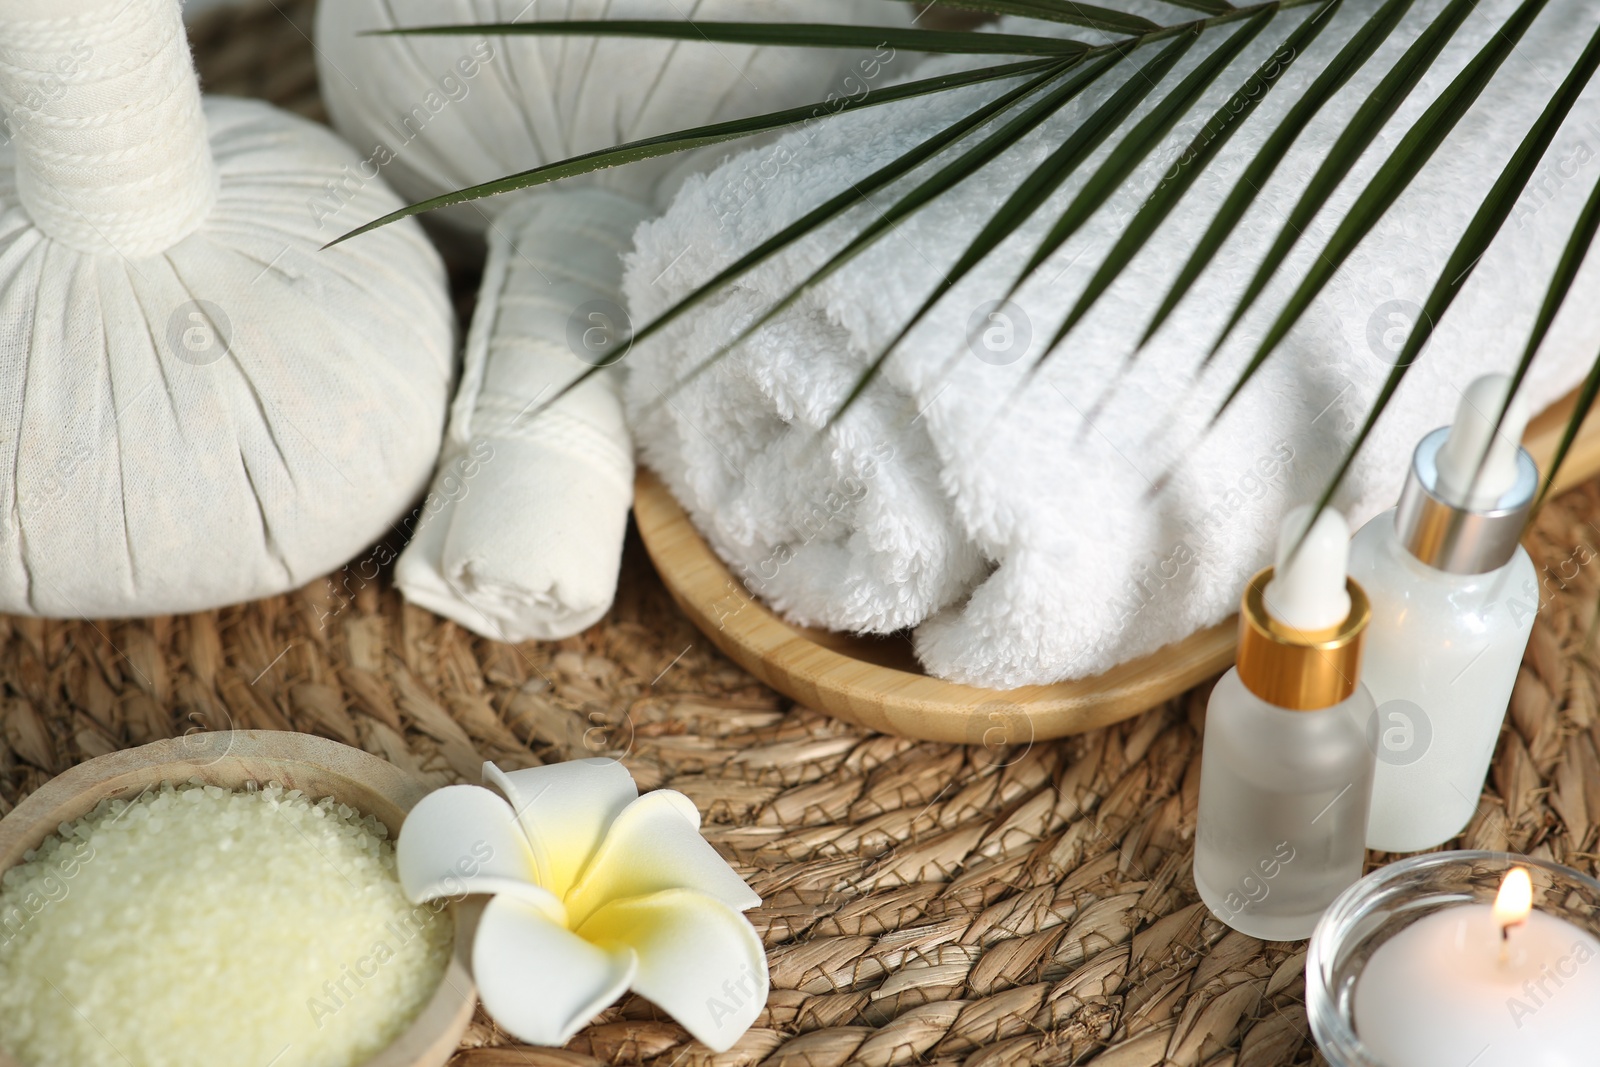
[[197, 406], [528, 536]]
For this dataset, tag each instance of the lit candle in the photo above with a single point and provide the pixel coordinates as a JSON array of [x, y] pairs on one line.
[[1482, 986]]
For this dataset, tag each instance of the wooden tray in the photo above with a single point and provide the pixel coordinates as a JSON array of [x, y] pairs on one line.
[[875, 682]]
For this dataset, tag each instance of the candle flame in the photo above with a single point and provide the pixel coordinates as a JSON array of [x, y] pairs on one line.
[[1515, 901]]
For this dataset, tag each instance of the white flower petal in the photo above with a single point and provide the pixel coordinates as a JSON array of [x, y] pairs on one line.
[[537, 979], [461, 840], [699, 960], [565, 809], [685, 806], [651, 847]]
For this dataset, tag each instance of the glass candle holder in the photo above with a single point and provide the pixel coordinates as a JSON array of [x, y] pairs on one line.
[[1386, 902]]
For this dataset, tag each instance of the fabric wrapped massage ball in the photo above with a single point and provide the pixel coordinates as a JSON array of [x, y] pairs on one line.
[[198, 405], [441, 112]]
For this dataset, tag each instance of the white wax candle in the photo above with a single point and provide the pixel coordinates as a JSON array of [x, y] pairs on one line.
[[1439, 994]]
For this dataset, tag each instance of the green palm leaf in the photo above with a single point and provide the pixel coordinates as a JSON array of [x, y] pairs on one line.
[[1363, 129], [1196, 159], [1036, 189], [701, 137], [1065, 11], [1219, 13], [785, 34], [1350, 59], [1423, 138], [1210, 7], [1580, 411], [1409, 157], [858, 193], [1496, 208], [1132, 151], [1572, 258], [941, 181], [1064, 69]]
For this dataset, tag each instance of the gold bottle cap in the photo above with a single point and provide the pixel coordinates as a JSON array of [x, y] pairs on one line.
[[1301, 670]]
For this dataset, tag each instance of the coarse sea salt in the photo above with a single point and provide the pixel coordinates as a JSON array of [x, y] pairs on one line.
[[197, 926]]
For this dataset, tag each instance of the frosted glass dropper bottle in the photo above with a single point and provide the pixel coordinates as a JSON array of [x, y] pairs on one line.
[[1453, 602], [1286, 771]]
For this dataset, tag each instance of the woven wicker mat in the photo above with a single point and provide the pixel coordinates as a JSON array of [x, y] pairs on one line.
[[924, 903]]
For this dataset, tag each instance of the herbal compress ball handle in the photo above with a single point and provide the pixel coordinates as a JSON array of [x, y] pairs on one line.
[[197, 405], [103, 108]]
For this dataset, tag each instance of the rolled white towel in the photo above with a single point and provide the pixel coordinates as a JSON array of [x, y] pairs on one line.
[[1039, 550], [519, 540], [522, 534]]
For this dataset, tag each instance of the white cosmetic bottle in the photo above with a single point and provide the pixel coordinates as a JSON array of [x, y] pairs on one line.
[[1286, 771], [1454, 597]]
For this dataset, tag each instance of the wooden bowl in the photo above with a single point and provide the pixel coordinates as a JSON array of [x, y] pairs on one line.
[[875, 682], [316, 766]]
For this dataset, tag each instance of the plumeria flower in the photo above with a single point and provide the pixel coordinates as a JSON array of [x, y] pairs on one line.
[[595, 890]]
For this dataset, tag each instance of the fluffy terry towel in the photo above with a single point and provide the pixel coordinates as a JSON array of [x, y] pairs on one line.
[[1019, 535]]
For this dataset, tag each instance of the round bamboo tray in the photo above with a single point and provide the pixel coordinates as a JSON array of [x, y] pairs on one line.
[[875, 682], [316, 766]]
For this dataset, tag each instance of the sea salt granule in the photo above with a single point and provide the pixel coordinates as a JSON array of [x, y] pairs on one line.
[[197, 926]]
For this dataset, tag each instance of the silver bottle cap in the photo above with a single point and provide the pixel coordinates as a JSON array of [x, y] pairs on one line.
[[1460, 540]]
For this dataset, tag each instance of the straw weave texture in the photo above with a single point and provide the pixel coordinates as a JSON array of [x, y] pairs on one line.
[[924, 903]]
